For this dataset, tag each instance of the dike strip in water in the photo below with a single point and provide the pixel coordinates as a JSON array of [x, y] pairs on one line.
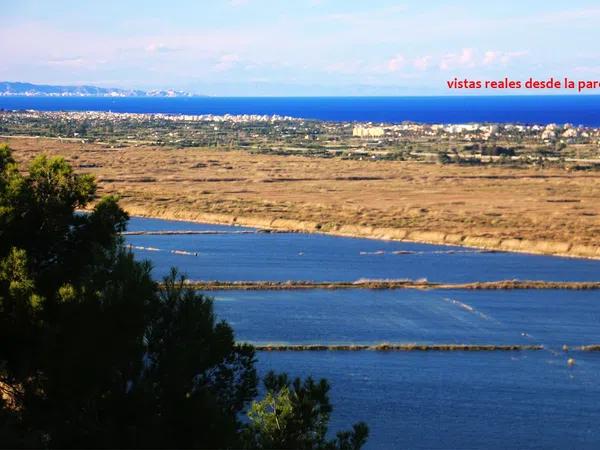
[[389, 284], [387, 347]]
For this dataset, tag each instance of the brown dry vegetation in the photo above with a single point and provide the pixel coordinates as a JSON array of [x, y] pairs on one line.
[[590, 348], [533, 210]]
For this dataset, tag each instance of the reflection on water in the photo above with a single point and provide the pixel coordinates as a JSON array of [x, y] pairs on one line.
[[362, 316]]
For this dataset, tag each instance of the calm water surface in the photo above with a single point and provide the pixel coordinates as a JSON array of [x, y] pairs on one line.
[[422, 400], [295, 256], [462, 400], [363, 316]]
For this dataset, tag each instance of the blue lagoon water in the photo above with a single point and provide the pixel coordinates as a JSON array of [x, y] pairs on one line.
[[458, 400], [150, 224], [551, 318], [527, 109], [421, 400], [297, 256]]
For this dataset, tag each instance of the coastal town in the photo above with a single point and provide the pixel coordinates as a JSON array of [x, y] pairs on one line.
[[566, 145]]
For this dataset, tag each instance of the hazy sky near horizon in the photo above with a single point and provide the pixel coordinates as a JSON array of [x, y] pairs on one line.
[[300, 47]]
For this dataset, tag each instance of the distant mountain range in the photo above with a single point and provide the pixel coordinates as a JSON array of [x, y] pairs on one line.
[[44, 90]]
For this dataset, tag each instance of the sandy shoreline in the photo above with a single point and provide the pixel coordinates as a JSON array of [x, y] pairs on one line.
[[549, 248]]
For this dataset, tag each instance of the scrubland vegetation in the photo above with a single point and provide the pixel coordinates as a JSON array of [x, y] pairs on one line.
[[529, 209]]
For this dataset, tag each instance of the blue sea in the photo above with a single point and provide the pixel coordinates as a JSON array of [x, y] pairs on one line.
[[530, 109], [416, 400]]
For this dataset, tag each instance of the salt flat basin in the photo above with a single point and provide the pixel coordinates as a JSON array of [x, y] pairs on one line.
[[440, 400], [551, 318], [298, 256]]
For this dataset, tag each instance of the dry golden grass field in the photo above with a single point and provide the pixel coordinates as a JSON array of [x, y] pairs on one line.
[[549, 211]]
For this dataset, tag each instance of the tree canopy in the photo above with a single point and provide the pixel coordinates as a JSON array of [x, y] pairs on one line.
[[95, 353], [294, 415]]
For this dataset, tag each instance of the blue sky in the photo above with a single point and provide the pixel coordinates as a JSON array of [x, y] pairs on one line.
[[300, 47]]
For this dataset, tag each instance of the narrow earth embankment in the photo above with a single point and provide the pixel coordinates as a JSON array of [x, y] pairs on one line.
[[389, 284], [386, 347]]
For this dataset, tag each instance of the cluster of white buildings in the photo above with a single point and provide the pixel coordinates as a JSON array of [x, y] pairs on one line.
[[553, 132], [143, 117], [477, 131], [368, 131], [235, 118]]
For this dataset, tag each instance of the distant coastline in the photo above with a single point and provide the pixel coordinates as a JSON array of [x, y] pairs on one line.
[[20, 89], [526, 110]]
